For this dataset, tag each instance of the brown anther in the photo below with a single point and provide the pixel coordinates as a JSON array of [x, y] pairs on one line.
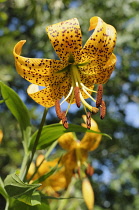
[[102, 110], [64, 120], [58, 109], [89, 170], [77, 96], [99, 95], [88, 120], [94, 110]]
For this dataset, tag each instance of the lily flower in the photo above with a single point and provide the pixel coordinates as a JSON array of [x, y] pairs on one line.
[[71, 162], [55, 183], [77, 151], [78, 69]]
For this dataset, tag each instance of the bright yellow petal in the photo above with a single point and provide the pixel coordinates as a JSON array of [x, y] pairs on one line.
[[67, 141], [66, 38], [1, 136], [91, 141], [37, 70], [100, 45], [96, 74], [47, 96]]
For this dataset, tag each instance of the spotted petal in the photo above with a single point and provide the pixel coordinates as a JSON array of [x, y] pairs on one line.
[[47, 96], [67, 141], [38, 71], [66, 38], [97, 74], [100, 45]]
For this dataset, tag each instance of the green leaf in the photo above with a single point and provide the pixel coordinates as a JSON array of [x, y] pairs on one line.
[[52, 132], [2, 101], [22, 191], [2, 189], [18, 109], [18, 205]]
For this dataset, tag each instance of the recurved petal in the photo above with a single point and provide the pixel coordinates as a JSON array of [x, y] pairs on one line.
[[91, 141], [67, 141], [47, 96], [100, 45], [37, 70], [66, 38], [97, 74]]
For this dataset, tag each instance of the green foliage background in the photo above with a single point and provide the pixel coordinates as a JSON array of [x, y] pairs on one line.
[[116, 162]]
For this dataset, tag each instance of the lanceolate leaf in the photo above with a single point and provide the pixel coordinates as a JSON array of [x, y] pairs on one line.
[[17, 108], [22, 191], [52, 132]]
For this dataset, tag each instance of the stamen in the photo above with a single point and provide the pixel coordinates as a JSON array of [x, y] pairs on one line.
[[99, 95], [58, 109], [77, 96], [71, 89], [89, 95], [64, 120], [102, 110], [88, 120], [89, 170], [87, 88]]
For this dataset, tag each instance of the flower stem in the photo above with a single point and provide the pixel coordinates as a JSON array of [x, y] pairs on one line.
[[29, 156]]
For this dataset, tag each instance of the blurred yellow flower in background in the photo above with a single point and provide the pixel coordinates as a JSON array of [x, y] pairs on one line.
[[1, 136], [70, 165]]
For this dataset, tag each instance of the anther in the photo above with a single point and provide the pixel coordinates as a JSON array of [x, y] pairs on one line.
[[94, 110], [88, 120], [102, 110], [99, 95], [58, 109], [77, 96], [64, 120], [89, 170]]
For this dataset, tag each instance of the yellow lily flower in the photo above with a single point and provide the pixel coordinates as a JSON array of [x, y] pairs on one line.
[[54, 183], [1, 136], [71, 162], [78, 70], [77, 151]]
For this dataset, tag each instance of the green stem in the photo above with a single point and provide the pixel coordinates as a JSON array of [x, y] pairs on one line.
[[63, 202], [29, 157]]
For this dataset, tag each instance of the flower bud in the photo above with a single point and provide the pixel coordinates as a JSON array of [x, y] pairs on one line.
[[88, 193]]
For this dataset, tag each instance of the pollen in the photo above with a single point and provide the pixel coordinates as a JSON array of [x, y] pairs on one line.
[[99, 96], [102, 110], [77, 96], [88, 120], [64, 120], [58, 109]]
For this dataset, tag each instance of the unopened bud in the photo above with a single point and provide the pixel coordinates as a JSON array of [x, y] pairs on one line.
[[88, 193]]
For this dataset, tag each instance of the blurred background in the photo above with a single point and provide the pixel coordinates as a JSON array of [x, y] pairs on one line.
[[116, 162]]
